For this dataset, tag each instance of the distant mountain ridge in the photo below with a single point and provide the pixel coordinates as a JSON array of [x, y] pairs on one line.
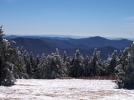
[[88, 43], [63, 37], [85, 45], [36, 46]]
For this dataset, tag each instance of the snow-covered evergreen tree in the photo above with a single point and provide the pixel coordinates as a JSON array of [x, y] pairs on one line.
[[64, 56], [6, 66], [76, 69], [86, 66], [94, 63], [51, 67], [125, 68], [19, 63], [41, 67], [111, 63]]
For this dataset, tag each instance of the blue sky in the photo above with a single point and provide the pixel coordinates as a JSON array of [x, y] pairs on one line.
[[108, 18]]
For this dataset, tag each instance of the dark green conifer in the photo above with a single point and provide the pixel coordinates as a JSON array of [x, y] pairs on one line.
[[76, 69], [6, 66]]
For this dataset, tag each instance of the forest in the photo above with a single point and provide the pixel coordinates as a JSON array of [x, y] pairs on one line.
[[17, 63]]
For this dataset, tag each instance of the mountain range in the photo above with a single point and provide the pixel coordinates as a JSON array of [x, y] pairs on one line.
[[47, 45]]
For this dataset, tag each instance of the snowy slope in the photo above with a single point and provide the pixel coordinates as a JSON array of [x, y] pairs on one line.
[[64, 89]]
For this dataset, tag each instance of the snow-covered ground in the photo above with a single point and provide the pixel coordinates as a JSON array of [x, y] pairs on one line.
[[64, 89]]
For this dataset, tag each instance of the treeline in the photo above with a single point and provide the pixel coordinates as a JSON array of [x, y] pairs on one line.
[[16, 63]]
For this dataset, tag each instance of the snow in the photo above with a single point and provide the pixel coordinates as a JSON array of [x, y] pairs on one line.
[[64, 89]]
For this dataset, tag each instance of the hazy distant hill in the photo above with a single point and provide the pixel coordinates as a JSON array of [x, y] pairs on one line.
[[36, 46], [85, 45], [88, 43]]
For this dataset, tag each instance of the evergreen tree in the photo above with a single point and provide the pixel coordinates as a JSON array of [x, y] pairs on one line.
[[52, 67], [66, 62], [19, 63], [64, 56], [86, 66], [37, 61], [6, 66], [76, 69], [94, 63], [28, 65], [111, 63], [125, 68], [41, 67]]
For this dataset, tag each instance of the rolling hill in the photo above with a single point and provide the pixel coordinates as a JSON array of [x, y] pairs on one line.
[[36, 46], [85, 45], [88, 43]]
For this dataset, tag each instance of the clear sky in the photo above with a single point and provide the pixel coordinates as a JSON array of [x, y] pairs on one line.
[[108, 18]]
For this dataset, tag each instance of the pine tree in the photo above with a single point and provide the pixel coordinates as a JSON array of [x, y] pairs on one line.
[[37, 61], [111, 63], [19, 61], [66, 62], [64, 56], [125, 68], [6, 66], [28, 65], [94, 63], [86, 67], [76, 69], [41, 67], [51, 67]]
